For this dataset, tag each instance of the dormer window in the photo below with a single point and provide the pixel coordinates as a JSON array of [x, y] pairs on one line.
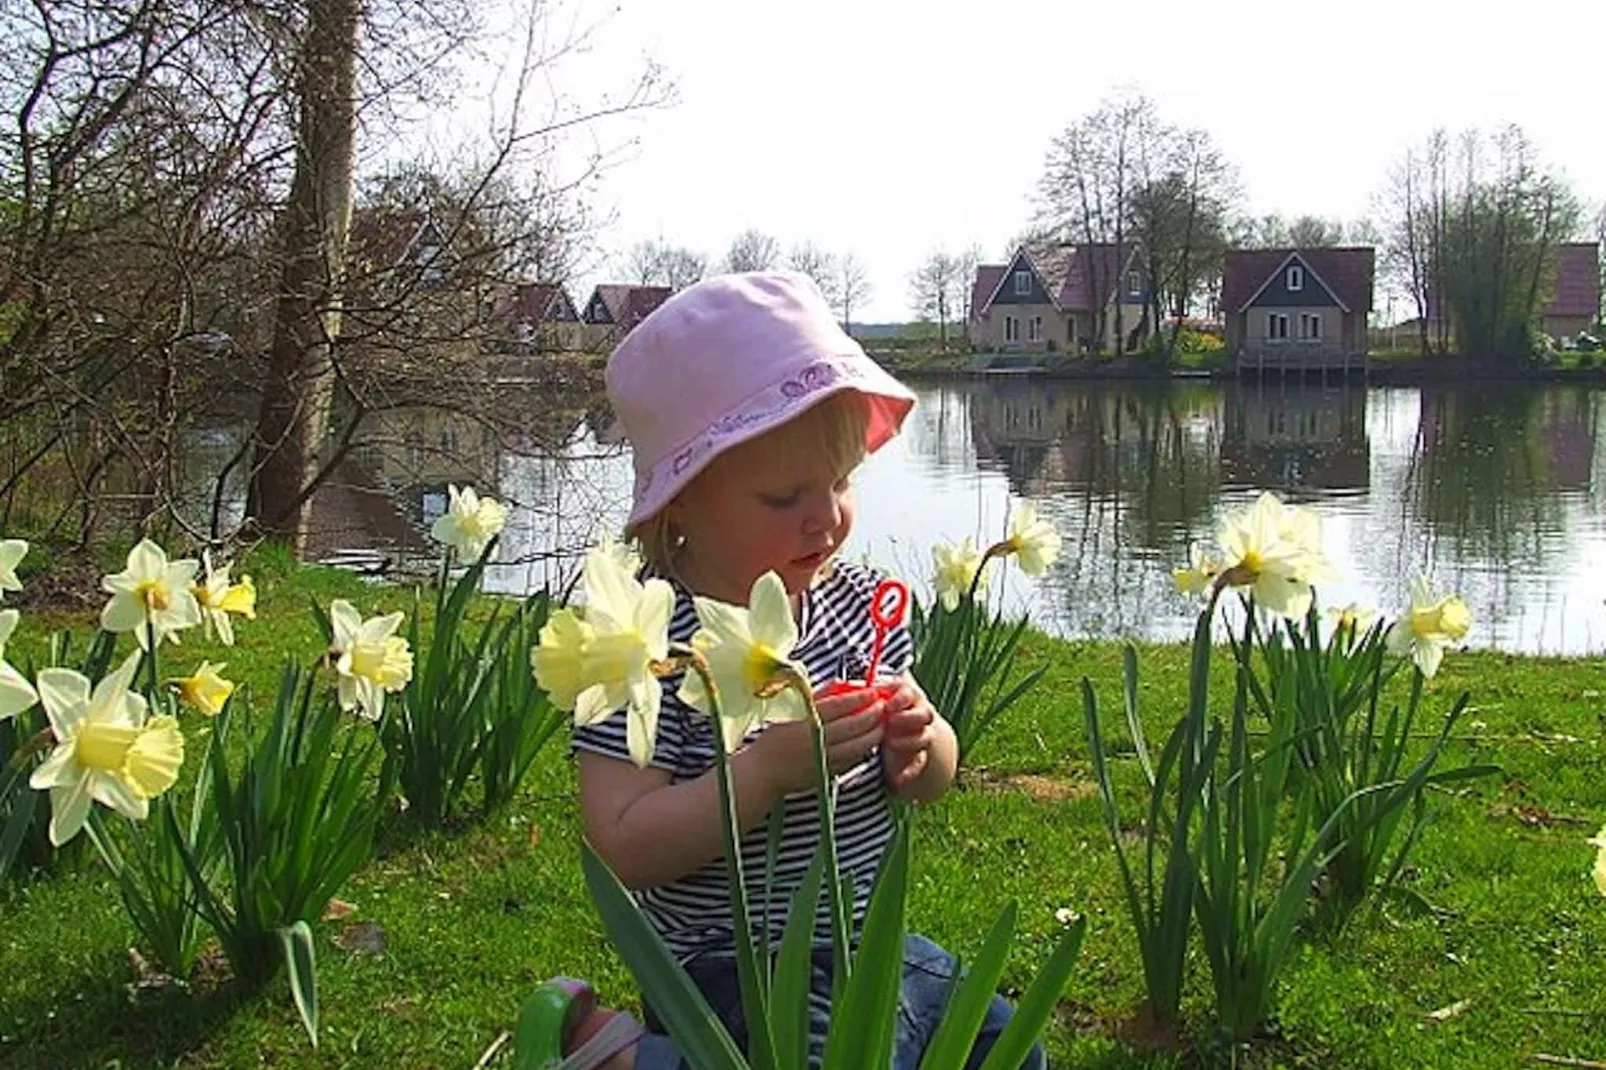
[[1023, 283], [1296, 278]]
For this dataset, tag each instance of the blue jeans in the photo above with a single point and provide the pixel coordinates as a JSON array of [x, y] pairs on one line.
[[927, 971]]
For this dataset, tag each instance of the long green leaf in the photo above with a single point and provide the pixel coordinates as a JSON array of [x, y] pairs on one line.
[[1037, 1005], [862, 1027], [295, 944], [696, 1029], [951, 1045], [794, 968]]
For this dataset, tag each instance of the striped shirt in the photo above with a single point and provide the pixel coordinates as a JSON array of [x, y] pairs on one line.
[[835, 636]]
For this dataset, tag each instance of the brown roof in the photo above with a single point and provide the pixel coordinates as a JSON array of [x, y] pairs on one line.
[[981, 291], [1346, 271], [380, 237], [531, 302], [1072, 273], [629, 305], [1577, 281]]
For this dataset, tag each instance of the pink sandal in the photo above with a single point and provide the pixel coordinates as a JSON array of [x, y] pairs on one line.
[[551, 1017]]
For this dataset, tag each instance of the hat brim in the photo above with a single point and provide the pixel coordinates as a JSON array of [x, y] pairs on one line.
[[767, 409]]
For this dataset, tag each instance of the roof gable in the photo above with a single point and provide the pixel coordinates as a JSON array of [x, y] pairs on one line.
[[534, 303], [1093, 275], [1023, 266], [1343, 273], [623, 306], [1577, 284]]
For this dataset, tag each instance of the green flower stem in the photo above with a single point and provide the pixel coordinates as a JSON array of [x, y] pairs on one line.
[[150, 656], [752, 975], [840, 959]]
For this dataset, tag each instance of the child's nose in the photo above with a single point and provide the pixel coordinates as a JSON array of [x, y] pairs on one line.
[[825, 513]]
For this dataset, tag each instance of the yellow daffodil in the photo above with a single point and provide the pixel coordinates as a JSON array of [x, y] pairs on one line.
[[629, 641], [957, 568], [469, 523], [1276, 552], [1033, 541], [1198, 576], [16, 693], [1428, 626], [106, 751], [217, 598], [748, 652], [205, 689], [151, 593], [1599, 841], [558, 662], [12, 551], [369, 657]]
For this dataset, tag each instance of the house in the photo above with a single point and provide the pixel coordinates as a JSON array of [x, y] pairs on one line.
[[390, 246], [1574, 304], [1297, 308], [614, 310], [540, 317], [1059, 298]]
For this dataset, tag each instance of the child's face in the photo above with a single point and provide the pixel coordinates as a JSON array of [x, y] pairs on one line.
[[754, 510]]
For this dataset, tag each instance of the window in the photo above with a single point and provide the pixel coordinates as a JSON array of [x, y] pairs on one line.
[[1034, 329], [1011, 329], [1295, 278], [1310, 326], [1277, 326], [1134, 285], [1023, 282]]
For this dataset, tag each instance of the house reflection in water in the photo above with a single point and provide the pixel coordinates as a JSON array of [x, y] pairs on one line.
[[1293, 437]]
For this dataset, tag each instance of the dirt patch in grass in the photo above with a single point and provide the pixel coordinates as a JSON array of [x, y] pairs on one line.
[[1039, 787]]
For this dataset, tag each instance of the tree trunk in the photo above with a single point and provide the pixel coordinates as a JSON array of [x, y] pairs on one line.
[[292, 425]]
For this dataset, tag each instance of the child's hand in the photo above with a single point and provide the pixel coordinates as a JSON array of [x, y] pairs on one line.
[[909, 734], [853, 728]]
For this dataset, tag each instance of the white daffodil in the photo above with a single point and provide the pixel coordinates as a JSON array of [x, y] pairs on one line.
[[217, 598], [1352, 618], [1428, 626], [629, 623], [106, 751], [1598, 841], [1276, 552], [12, 551], [747, 651], [370, 658], [205, 689], [1199, 575], [629, 561], [1033, 541], [957, 568], [151, 592], [558, 661], [16, 693], [469, 523]]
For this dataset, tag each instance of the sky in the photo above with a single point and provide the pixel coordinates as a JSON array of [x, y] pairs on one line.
[[889, 128]]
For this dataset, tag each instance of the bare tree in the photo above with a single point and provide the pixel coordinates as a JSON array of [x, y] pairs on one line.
[[683, 266], [655, 262], [936, 290], [817, 264], [1086, 193], [644, 261], [752, 250], [853, 286]]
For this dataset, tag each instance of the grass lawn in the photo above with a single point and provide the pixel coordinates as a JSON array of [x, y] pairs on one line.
[[450, 930]]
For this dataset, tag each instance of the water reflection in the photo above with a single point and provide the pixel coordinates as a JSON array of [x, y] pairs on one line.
[[1493, 489]]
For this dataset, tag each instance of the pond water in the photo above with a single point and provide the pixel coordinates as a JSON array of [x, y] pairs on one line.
[[1493, 490]]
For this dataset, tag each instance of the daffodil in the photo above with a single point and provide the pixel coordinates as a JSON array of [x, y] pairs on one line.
[[1599, 841], [12, 551], [1199, 575], [16, 693], [1352, 618], [106, 750], [1428, 626], [205, 689], [628, 643], [558, 662], [958, 567], [1276, 552], [749, 655], [151, 593], [217, 598], [370, 658], [469, 523], [1032, 540], [629, 561]]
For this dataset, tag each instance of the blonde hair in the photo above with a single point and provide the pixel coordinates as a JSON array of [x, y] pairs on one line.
[[834, 428]]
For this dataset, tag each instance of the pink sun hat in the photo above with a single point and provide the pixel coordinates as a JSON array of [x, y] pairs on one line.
[[726, 360]]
